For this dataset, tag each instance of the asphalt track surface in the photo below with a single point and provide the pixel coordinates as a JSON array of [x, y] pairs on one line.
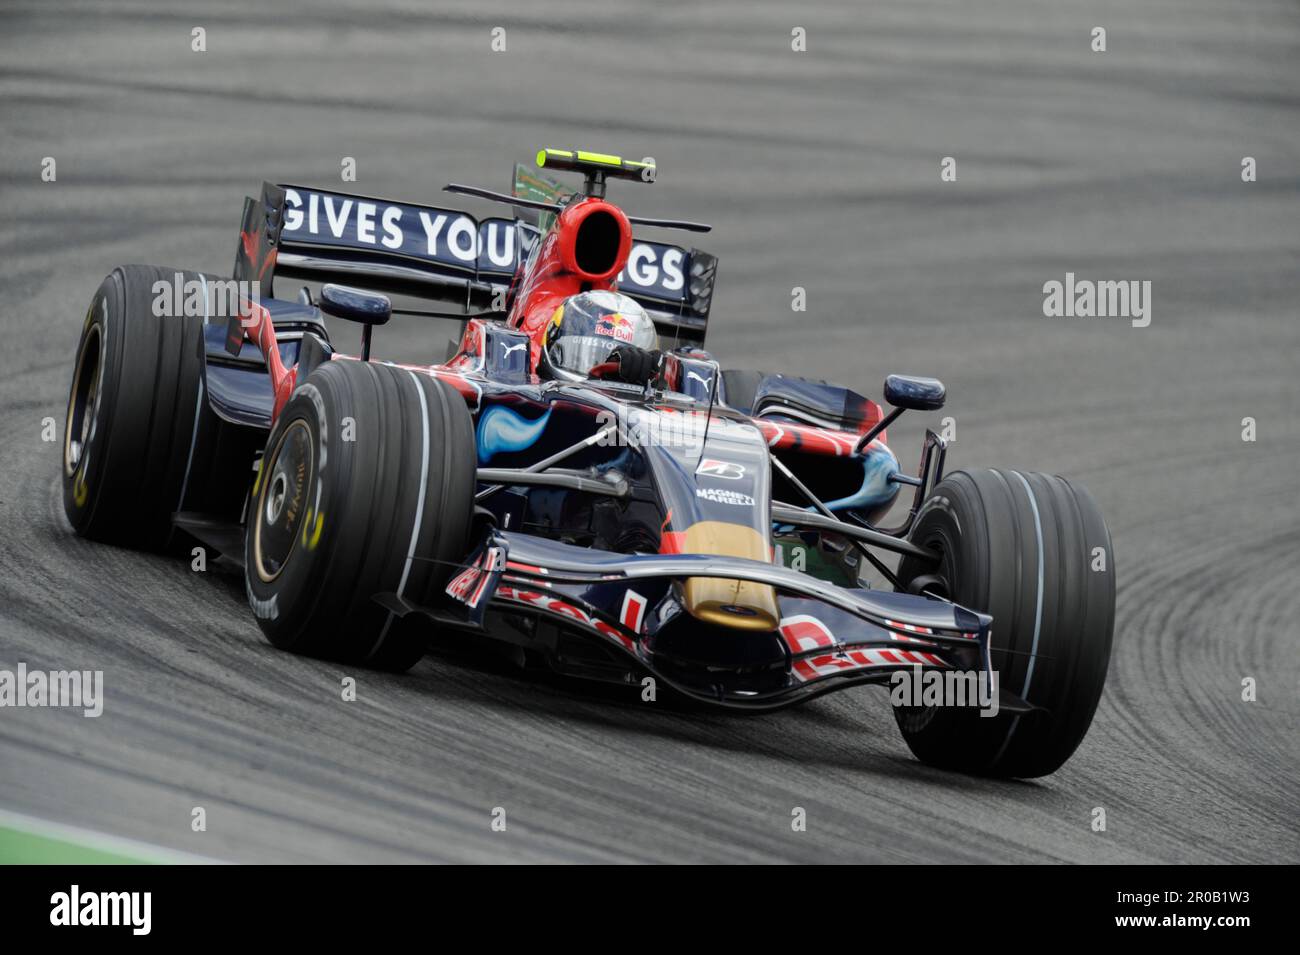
[[821, 170]]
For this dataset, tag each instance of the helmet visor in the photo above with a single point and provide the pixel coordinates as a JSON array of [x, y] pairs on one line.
[[580, 353]]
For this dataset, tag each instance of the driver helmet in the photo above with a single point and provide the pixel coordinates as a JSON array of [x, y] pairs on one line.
[[585, 330]]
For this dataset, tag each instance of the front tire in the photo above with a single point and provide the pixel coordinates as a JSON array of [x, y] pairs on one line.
[[366, 487], [1033, 551]]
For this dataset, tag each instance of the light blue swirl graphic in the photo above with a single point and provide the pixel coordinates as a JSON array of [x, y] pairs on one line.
[[502, 430], [877, 465]]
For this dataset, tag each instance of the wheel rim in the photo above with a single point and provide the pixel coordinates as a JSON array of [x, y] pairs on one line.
[[287, 473], [83, 402]]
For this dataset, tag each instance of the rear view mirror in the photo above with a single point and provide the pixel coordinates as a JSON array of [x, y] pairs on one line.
[[355, 305], [914, 394]]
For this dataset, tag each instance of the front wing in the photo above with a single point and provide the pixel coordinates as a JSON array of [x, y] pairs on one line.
[[829, 637]]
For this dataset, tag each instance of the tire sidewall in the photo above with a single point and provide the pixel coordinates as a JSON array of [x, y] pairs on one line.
[[81, 487], [283, 605], [965, 569]]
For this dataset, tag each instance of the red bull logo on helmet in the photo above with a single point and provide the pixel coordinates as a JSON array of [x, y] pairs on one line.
[[616, 326]]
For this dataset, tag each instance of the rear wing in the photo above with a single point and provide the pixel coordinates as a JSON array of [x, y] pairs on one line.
[[450, 256]]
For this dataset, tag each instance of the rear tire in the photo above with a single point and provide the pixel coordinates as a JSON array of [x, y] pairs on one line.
[[137, 421], [1033, 551], [344, 511]]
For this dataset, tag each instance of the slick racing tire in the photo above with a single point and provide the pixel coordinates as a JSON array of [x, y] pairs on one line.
[[366, 488], [139, 439], [1032, 551]]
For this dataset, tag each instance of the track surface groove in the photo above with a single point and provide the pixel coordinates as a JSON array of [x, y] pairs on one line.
[[819, 170]]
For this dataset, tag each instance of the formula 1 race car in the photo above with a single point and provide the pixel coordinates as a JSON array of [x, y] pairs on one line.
[[615, 506]]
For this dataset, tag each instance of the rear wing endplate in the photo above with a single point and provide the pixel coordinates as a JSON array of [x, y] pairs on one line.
[[255, 257]]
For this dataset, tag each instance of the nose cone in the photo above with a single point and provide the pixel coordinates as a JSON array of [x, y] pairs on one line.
[[738, 604]]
